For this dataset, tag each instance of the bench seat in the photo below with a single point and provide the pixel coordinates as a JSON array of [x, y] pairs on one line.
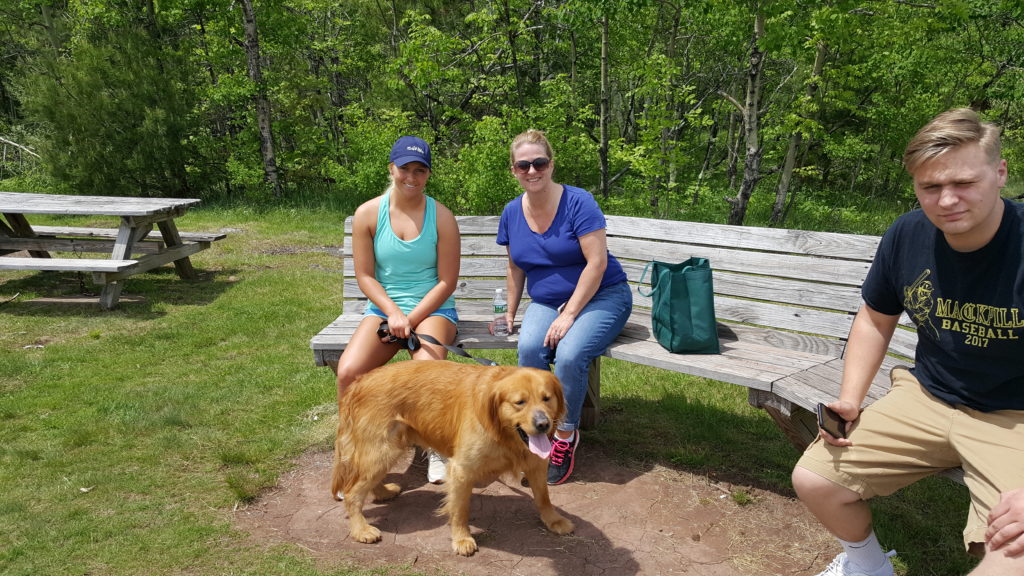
[[784, 300], [87, 232], [97, 265], [80, 240]]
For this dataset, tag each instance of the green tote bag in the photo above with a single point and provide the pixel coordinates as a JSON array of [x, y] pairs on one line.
[[683, 306]]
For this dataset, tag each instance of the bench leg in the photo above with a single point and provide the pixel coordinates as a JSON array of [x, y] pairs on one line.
[[798, 424], [592, 402]]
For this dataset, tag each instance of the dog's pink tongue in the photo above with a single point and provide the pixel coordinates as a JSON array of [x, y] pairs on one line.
[[540, 445]]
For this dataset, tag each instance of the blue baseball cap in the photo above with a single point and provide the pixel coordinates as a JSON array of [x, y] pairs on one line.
[[410, 149]]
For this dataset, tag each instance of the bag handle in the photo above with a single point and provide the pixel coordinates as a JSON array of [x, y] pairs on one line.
[[642, 276]]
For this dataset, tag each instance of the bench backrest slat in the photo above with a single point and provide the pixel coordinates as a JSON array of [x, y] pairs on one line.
[[784, 265], [825, 244]]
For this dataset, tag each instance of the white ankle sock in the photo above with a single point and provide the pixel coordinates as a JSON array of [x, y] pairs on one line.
[[866, 555], [569, 439]]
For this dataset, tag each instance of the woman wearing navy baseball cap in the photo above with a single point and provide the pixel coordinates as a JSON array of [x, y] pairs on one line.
[[405, 247]]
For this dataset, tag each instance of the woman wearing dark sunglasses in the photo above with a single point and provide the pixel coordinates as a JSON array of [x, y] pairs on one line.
[[405, 248], [555, 238]]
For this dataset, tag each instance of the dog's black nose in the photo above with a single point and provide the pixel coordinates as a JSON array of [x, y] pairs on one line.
[[541, 422]]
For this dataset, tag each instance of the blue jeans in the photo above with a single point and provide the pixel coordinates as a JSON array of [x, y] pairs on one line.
[[595, 328]]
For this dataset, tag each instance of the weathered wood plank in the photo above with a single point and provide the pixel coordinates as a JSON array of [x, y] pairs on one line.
[[826, 244], [728, 257], [76, 245], [25, 203], [88, 232], [66, 264]]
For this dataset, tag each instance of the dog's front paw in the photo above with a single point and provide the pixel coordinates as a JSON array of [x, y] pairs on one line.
[[465, 546], [560, 525], [366, 535]]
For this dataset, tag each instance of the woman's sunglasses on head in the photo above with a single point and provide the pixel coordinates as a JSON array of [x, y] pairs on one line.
[[539, 164]]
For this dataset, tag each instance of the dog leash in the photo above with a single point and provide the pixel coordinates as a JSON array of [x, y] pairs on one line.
[[413, 343]]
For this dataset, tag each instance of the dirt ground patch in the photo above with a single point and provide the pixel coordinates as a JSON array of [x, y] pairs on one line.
[[628, 521]]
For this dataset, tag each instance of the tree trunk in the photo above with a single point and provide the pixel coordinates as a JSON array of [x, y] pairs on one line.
[[603, 146], [785, 178], [706, 165], [732, 149], [751, 135], [796, 140], [669, 139], [263, 114], [511, 36]]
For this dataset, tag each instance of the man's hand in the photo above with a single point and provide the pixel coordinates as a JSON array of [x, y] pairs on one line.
[[1006, 524], [847, 411]]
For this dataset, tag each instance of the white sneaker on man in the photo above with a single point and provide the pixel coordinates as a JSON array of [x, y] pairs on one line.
[[840, 566], [437, 468]]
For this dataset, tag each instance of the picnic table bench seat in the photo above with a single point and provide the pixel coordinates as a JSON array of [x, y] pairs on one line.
[[99, 265], [784, 301], [79, 239]]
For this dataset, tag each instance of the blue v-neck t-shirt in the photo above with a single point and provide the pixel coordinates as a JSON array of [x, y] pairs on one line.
[[553, 261]]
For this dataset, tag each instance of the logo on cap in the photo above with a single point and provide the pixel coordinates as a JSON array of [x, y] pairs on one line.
[[410, 149]]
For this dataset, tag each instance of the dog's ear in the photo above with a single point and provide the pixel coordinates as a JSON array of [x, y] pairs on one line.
[[492, 399]]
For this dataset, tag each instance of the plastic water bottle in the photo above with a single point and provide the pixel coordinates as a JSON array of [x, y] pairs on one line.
[[500, 307]]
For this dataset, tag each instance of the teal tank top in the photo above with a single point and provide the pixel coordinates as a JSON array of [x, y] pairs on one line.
[[406, 269]]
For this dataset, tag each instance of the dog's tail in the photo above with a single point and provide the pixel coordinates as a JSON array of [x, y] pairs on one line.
[[338, 474]]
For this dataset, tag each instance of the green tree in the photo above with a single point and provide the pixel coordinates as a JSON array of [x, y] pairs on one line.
[[112, 101]]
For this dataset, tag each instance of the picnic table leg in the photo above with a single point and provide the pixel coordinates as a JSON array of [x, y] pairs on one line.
[[110, 294], [172, 239], [128, 234], [20, 228]]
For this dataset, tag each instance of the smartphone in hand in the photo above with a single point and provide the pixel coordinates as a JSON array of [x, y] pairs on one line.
[[831, 422]]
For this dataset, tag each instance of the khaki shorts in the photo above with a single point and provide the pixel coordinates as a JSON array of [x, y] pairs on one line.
[[909, 434]]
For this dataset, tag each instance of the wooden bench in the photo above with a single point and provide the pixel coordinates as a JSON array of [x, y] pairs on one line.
[[784, 300]]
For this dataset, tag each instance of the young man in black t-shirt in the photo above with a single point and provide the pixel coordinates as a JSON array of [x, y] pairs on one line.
[[956, 267]]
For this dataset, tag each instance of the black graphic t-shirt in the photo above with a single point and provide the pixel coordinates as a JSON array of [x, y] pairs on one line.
[[968, 308]]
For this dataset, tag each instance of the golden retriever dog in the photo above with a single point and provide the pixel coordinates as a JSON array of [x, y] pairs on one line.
[[486, 420]]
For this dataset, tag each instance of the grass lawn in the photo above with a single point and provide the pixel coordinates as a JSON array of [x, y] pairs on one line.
[[130, 435]]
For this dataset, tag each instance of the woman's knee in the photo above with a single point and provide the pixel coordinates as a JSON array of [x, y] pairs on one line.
[[532, 349], [347, 374], [430, 352], [573, 366]]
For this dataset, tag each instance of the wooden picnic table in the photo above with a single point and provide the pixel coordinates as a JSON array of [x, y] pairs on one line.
[[131, 247]]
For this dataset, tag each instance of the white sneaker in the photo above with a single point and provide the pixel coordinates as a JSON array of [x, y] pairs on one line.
[[841, 567], [437, 468]]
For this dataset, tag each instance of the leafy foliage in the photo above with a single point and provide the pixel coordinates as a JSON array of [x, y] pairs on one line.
[[137, 97]]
